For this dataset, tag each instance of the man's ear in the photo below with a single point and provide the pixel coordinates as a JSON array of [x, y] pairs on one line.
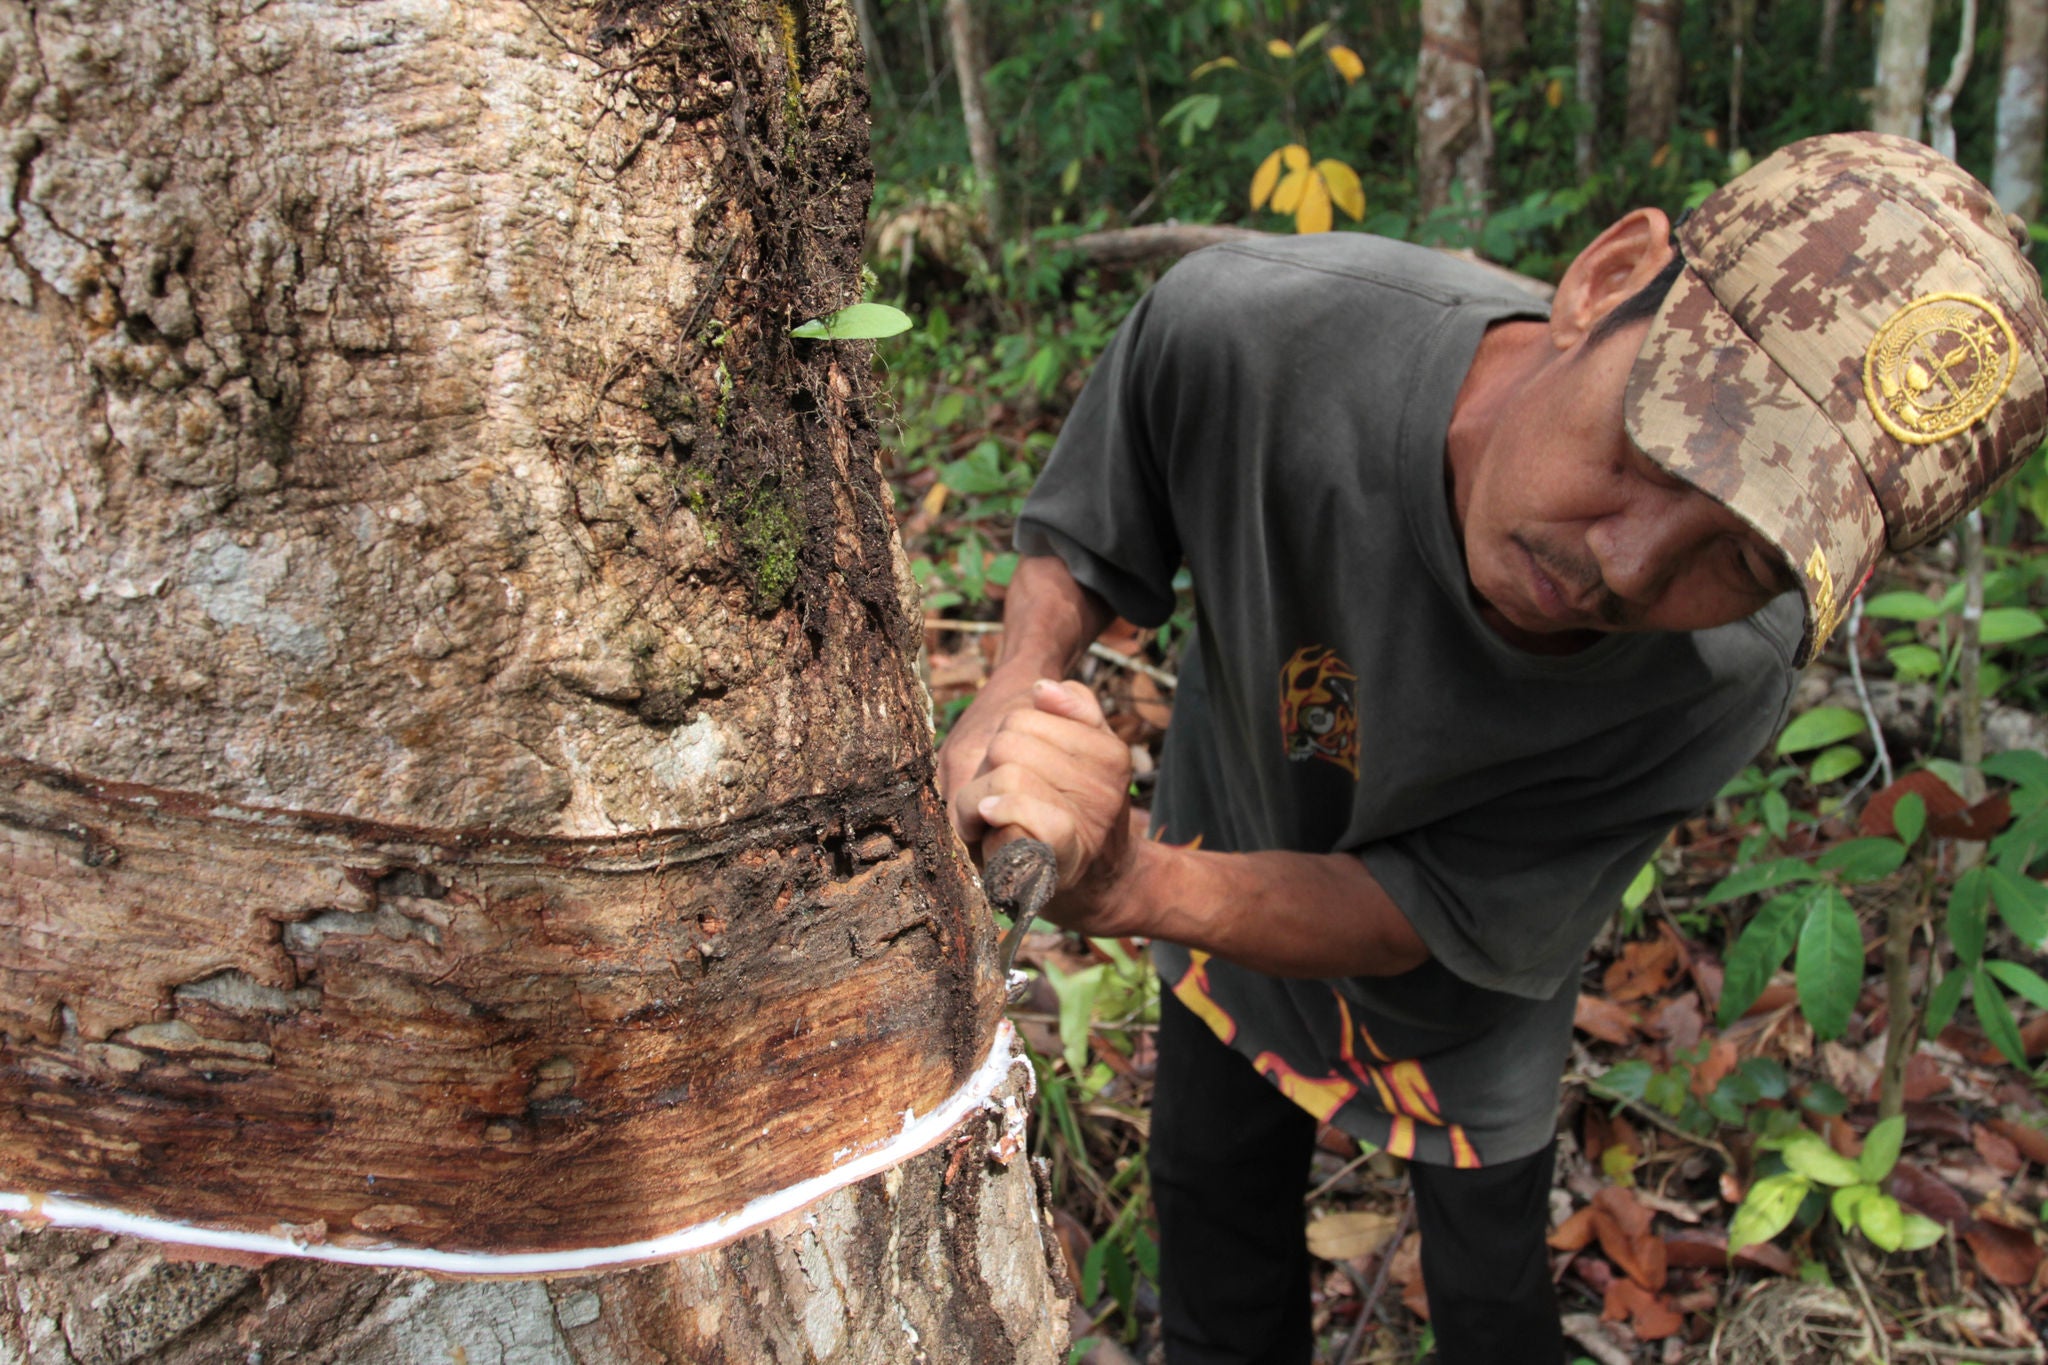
[[1613, 267]]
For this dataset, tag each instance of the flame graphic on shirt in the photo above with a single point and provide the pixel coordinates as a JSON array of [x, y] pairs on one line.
[[1403, 1090], [1318, 708]]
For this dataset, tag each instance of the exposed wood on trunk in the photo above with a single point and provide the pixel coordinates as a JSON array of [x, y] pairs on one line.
[[1900, 86], [2022, 109], [963, 33], [1586, 15], [462, 783], [1453, 133], [1654, 71]]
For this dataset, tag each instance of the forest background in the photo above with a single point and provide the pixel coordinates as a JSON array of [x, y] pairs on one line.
[[1815, 1030]]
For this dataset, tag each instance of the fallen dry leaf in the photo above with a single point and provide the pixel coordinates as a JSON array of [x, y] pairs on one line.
[[1649, 1313], [1924, 1192], [1150, 702], [1643, 969], [2005, 1254], [1603, 1019], [1574, 1233], [1623, 1227], [1677, 1021], [1998, 1151], [1925, 1077], [1707, 1249], [2031, 1142], [1349, 1236], [1939, 798]]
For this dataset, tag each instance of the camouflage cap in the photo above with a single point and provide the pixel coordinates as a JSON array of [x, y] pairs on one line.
[[1852, 357]]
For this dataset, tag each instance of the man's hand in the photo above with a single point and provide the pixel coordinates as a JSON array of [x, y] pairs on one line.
[[1056, 772]]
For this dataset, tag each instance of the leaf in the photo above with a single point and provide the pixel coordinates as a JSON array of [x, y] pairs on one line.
[[1213, 64], [1266, 177], [1967, 920], [1822, 726], [1640, 886], [2024, 982], [1767, 1075], [1994, 1015], [856, 322], [1346, 191], [1777, 812], [2023, 904], [2021, 767], [1808, 1153], [1847, 1202], [1913, 663], [1766, 1210], [1863, 860], [1348, 63], [1917, 1232], [1941, 1004], [1758, 877], [1882, 1220], [1076, 992], [1313, 36], [1909, 817], [1834, 764], [1287, 195], [2003, 625], [1937, 798], [1901, 606], [1759, 953], [1625, 1080], [1280, 47], [1347, 1236], [1314, 213], [1829, 965], [1881, 1148]]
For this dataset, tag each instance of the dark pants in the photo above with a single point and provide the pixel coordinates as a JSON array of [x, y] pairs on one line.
[[1229, 1162]]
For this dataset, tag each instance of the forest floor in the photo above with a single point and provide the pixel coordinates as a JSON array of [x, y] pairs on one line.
[[1665, 1115]]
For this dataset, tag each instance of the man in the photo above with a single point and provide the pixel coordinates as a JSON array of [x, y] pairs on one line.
[[1488, 601]]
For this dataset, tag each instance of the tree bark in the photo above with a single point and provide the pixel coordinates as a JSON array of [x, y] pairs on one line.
[[1830, 29], [1654, 71], [1453, 134], [1899, 100], [1586, 17], [463, 792], [1504, 37], [2022, 109], [963, 32]]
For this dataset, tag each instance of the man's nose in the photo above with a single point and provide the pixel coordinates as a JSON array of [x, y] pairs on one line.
[[1643, 548]]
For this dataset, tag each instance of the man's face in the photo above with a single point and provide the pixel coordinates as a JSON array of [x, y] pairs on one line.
[[1569, 528]]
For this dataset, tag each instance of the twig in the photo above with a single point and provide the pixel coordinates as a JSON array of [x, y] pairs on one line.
[[1379, 1284], [1920, 1346], [1098, 649], [1584, 1328], [1884, 1353], [1319, 1191], [1883, 761], [1642, 1110]]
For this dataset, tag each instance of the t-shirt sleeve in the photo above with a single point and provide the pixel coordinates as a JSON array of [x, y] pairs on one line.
[[1101, 502], [1509, 895]]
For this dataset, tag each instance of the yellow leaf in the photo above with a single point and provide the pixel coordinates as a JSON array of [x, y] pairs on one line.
[[1095, 22], [1295, 155], [1712, 137], [934, 500], [1314, 213], [1553, 93], [1345, 190], [1660, 156], [1287, 195], [1348, 63], [1280, 47], [1347, 1236], [1218, 64], [1264, 178]]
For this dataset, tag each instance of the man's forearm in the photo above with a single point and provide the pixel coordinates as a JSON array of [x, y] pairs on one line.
[[1048, 620], [1284, 914]]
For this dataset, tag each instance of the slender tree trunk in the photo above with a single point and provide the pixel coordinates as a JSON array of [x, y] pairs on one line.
[[963, 32], [1830, 31], [1941, 127], [1900, 96], [1504, 37], [1741, 15], [1453, 142], [2022, 109], [1654, 72], [1587, 51], [463, 795]]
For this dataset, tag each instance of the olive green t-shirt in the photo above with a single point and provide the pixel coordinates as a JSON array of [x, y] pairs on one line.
[[1274, 415]]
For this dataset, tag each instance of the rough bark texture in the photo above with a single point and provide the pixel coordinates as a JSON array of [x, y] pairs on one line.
[[2022, 109], [1653, 71], [1453, 130], [1898, 101], [461, 782], [1504, 37]]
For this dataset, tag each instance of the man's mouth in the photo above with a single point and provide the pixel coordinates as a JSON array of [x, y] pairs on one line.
[[1565, 597]]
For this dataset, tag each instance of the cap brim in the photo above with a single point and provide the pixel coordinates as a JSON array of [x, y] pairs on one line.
[[1705, 402]]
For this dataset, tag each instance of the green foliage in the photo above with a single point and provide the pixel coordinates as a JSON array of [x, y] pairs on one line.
[[1857, 1198], [856, 322]]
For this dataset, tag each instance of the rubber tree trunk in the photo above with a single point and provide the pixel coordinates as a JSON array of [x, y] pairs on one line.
[[1654, 71], [1587, 81], [1898, 101], [1453, 133], [1504, 37], [2022, 109], [463, 792]]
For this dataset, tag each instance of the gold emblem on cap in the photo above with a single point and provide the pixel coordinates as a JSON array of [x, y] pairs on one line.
[[1937, 366]]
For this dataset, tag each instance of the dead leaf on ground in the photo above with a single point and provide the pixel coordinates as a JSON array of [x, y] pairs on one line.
[[1925, 1077], [1623, 1227], [1149, 702], [1349, 1236], [2007, 1255], [1643, 969], [1649, 1314], [1574, 1233], [1406, 1270], [2031, 1142], [1924, 1192], [1937, 796], [1603, 1019], [1998, 1150], [1707, 1249]]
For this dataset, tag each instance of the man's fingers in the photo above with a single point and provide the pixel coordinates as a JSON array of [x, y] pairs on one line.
[[1071, 700], [1022, 813]]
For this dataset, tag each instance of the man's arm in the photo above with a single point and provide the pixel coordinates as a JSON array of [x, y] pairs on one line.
[[1055, 771]]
